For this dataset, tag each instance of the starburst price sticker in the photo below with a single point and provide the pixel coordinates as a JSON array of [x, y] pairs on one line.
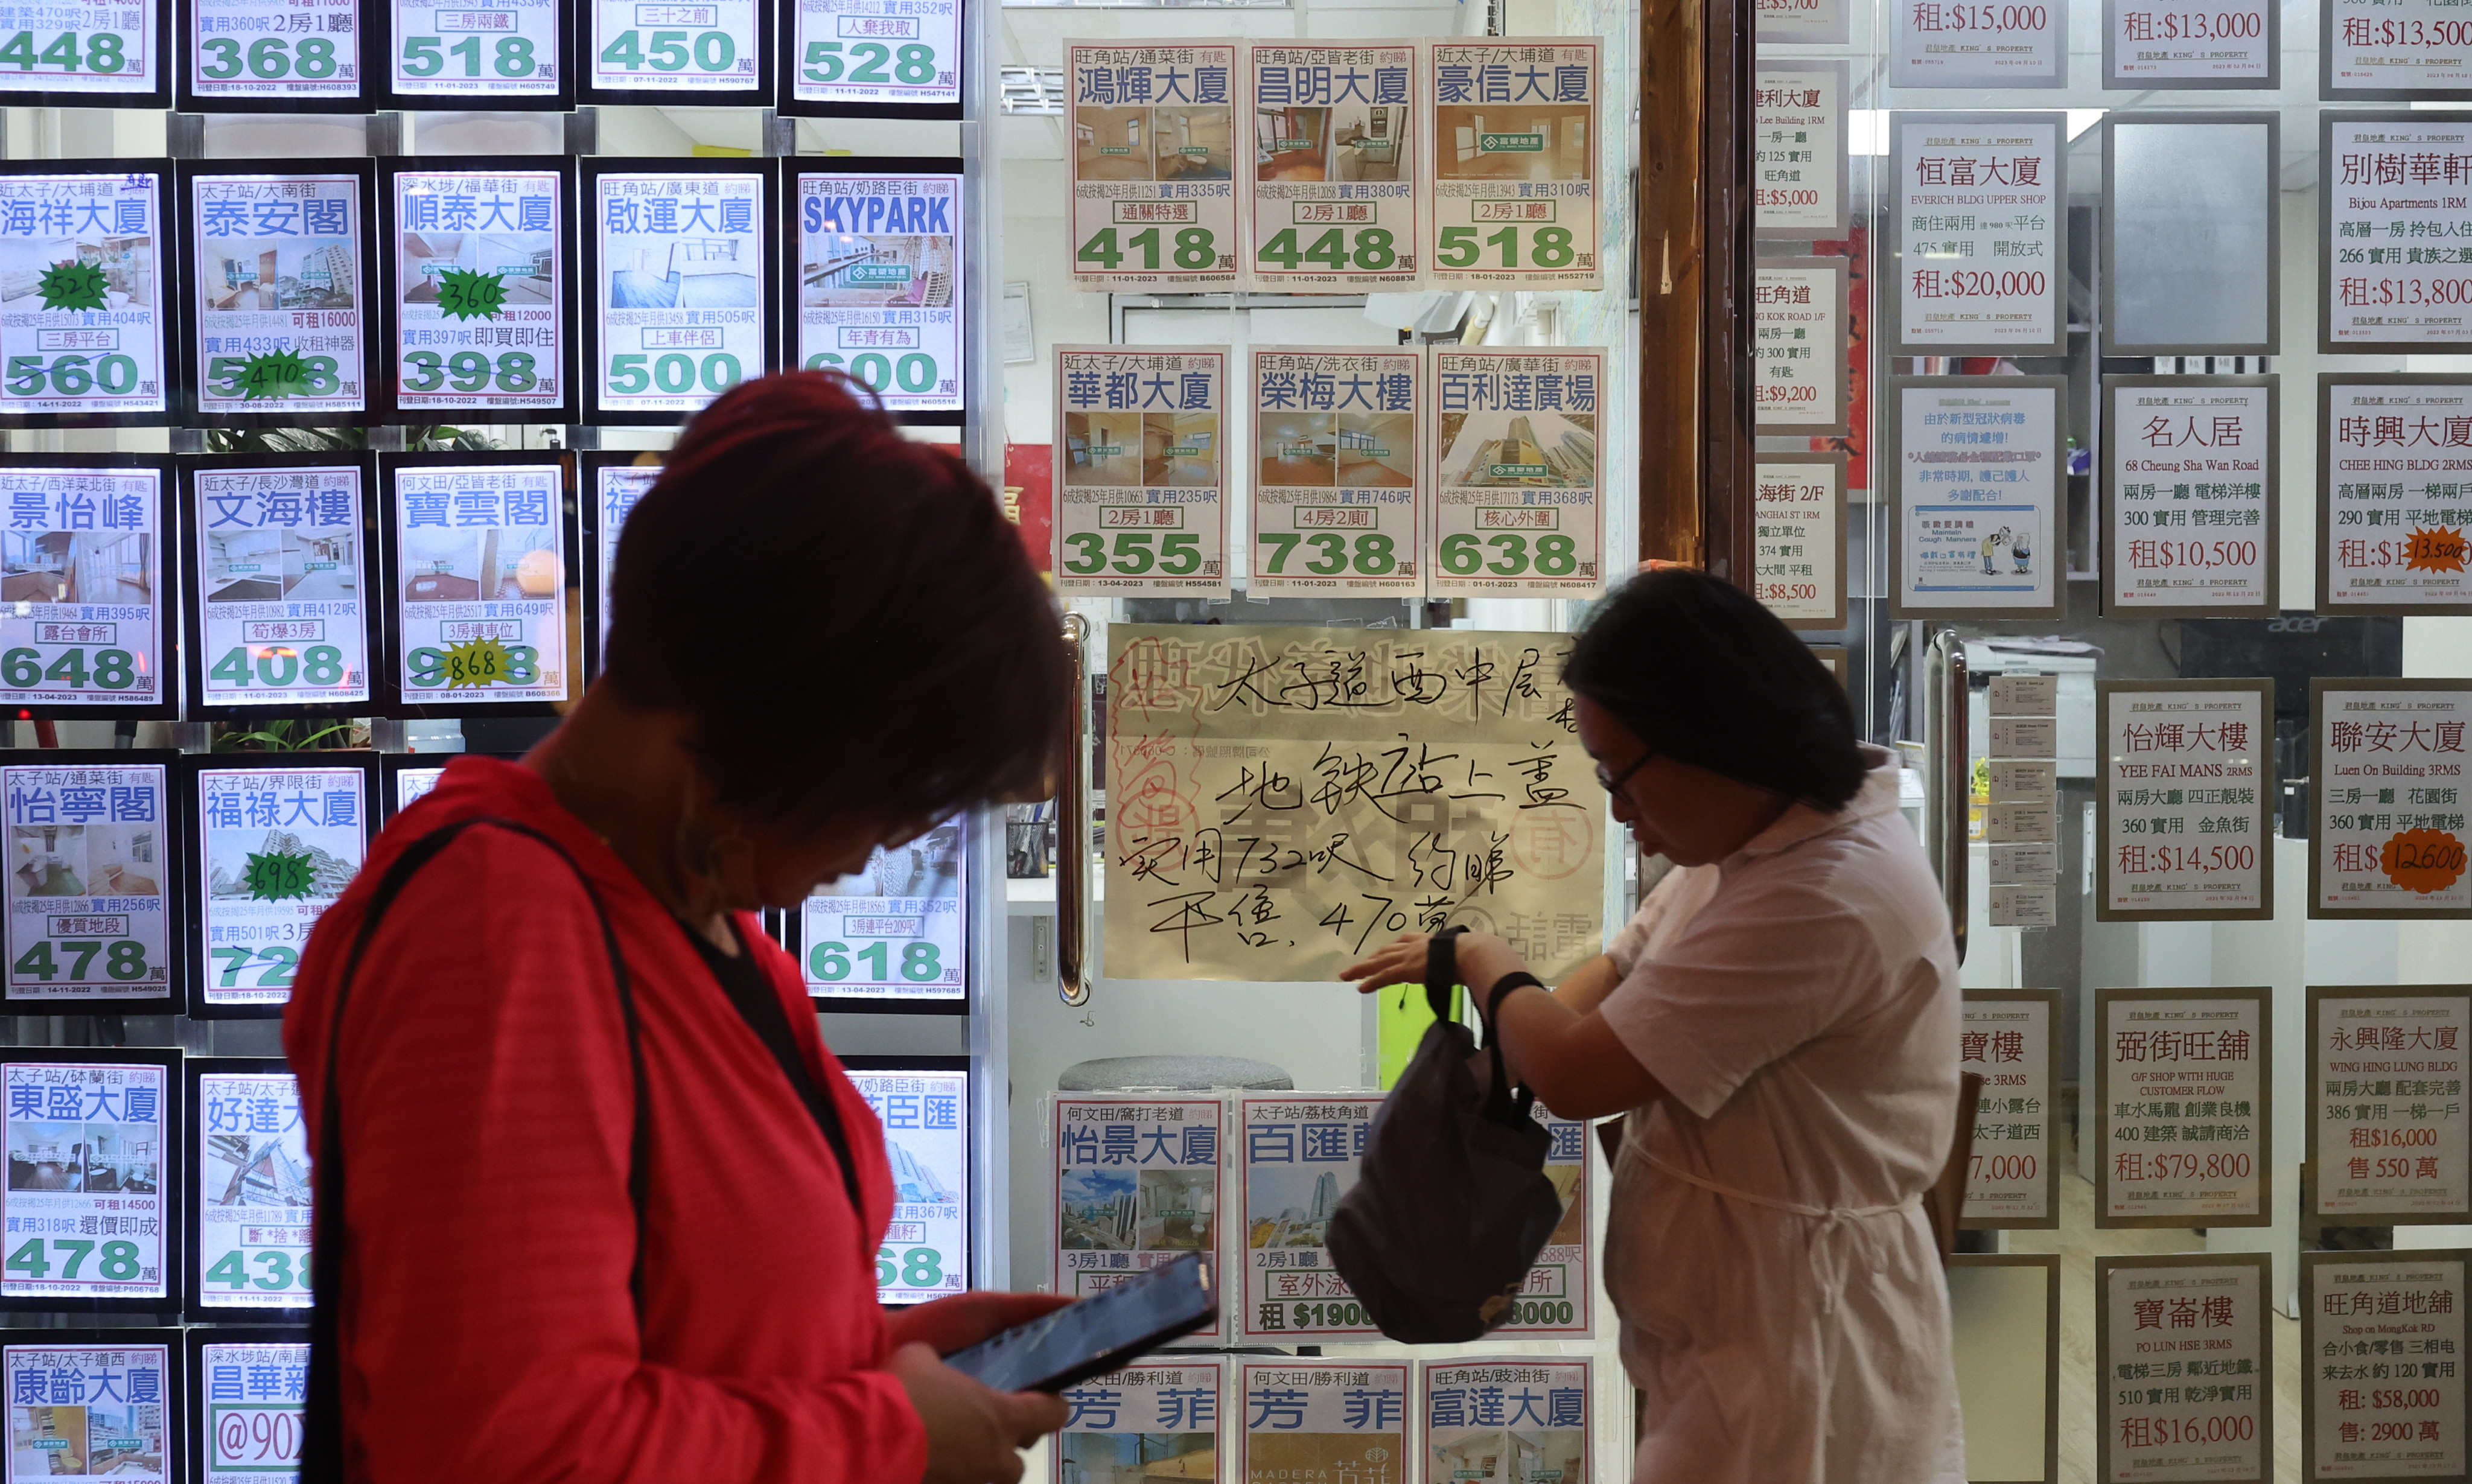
[[479, 662], [278, 875], [2436, 551], [463, 294], [273, 373], [72, 285]]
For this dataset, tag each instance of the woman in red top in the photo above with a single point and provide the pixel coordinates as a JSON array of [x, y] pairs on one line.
[[826, 638]]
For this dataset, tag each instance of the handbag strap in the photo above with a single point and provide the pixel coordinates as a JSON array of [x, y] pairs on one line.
[[1441, 973], [322, 1447]]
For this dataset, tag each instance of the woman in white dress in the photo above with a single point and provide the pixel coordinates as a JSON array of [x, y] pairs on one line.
[[1781, 1026]]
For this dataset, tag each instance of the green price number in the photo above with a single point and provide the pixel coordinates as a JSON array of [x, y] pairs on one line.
[[118, 1262], [1548, 247], [275, 962], [319, 664], [1371, 252], [71, 375], [912, 65], [921, 962], [269, 58], [878, 372], [114, 669], [1330, 1316], [1178, 556], [1545, 1311], [1373, 556], [674, 374], [1195, 247], [670, 51], [920, 1267], [470, 370], [230, 375], [431, 667], [422, 59], [282, 1272], [123, 958], [103, 52], [1463, 555]]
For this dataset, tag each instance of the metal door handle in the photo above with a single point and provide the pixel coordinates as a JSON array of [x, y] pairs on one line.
[[1073, 827], [1949, 785]]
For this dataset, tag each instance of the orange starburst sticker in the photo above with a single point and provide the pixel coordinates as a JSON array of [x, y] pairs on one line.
[[2423, 860], [2440, 550]]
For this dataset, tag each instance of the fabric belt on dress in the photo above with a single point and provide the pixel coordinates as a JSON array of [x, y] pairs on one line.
[[1833, 1220]]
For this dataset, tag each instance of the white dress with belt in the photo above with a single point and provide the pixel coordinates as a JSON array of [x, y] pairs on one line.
[[1782, 1307]]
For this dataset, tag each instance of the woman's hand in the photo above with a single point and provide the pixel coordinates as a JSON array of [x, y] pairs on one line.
[[975, 1434], [1482, 959], [964, 1319]]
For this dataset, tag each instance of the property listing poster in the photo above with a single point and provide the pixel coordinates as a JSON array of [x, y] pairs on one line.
[[673, 50], [274, 50], [2387, 835], [254, 1397], [276, 847], [926, 1252], [893, 931], [481, 552], [1512, 185], [87, 1411], [1555, 1300], [479, 263], [252, 1166], [2381, 1364], [1152, 169], [2190, 43], [2005, 1039], [1139, 1182], [876, 51], [1299, 1156], [1936, 43], [1517, 476], [1141, 473], [680, 290], [1979, 228], [88, 877], [880, 284], [85, 46], [1156, 1420], [1317, 1421], [2187, 800], [81, 293], [616, 488], [1332, 186], [1798, 346], [1798, 538], [2193, 499], [1512, 1418], [1977, 478], [84, 1209], [1336, 486], [280, 312], [1803, 22], [2183, 1373], [84, 613], [2394, 506], [445, 51], [2398, 230], [1799, 149], [2393, 48], [280, 585], [410, 783], [2183, 1110], [2386, 1104]]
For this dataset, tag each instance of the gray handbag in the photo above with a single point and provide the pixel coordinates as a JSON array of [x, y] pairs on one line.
[[1451, 1206]]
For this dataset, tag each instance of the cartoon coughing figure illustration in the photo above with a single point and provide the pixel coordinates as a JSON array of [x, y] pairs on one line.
[[1991, 546]]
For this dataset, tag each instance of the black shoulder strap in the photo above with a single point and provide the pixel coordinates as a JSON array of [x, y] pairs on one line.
[[321, 1449]]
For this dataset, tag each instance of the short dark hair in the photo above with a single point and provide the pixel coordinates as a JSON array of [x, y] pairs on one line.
[[1704, 674], [845, 613]]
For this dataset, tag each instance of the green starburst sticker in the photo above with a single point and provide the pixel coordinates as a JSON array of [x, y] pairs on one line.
[[279, 876], [465, 295], [478, 662], [72, 285], [272, 373]]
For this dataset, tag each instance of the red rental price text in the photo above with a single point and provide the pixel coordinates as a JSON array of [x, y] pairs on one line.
[[1796, 195], [2363, 32], [1787, 592], [2155, 859], [2196, 26], [2406, 293], [2166, 1431], [1987, 284], [2180, 1166], [1990, 18], [2164, 555]]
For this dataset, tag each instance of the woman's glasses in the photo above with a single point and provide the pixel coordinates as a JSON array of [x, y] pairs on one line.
[[1609, 783]]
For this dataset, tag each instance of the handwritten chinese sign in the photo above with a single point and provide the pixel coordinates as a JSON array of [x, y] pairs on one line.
[[2387, 1131], [2387, 835], [1281, 799]]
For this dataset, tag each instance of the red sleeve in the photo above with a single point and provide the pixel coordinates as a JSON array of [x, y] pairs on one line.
[[488, 1333]]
